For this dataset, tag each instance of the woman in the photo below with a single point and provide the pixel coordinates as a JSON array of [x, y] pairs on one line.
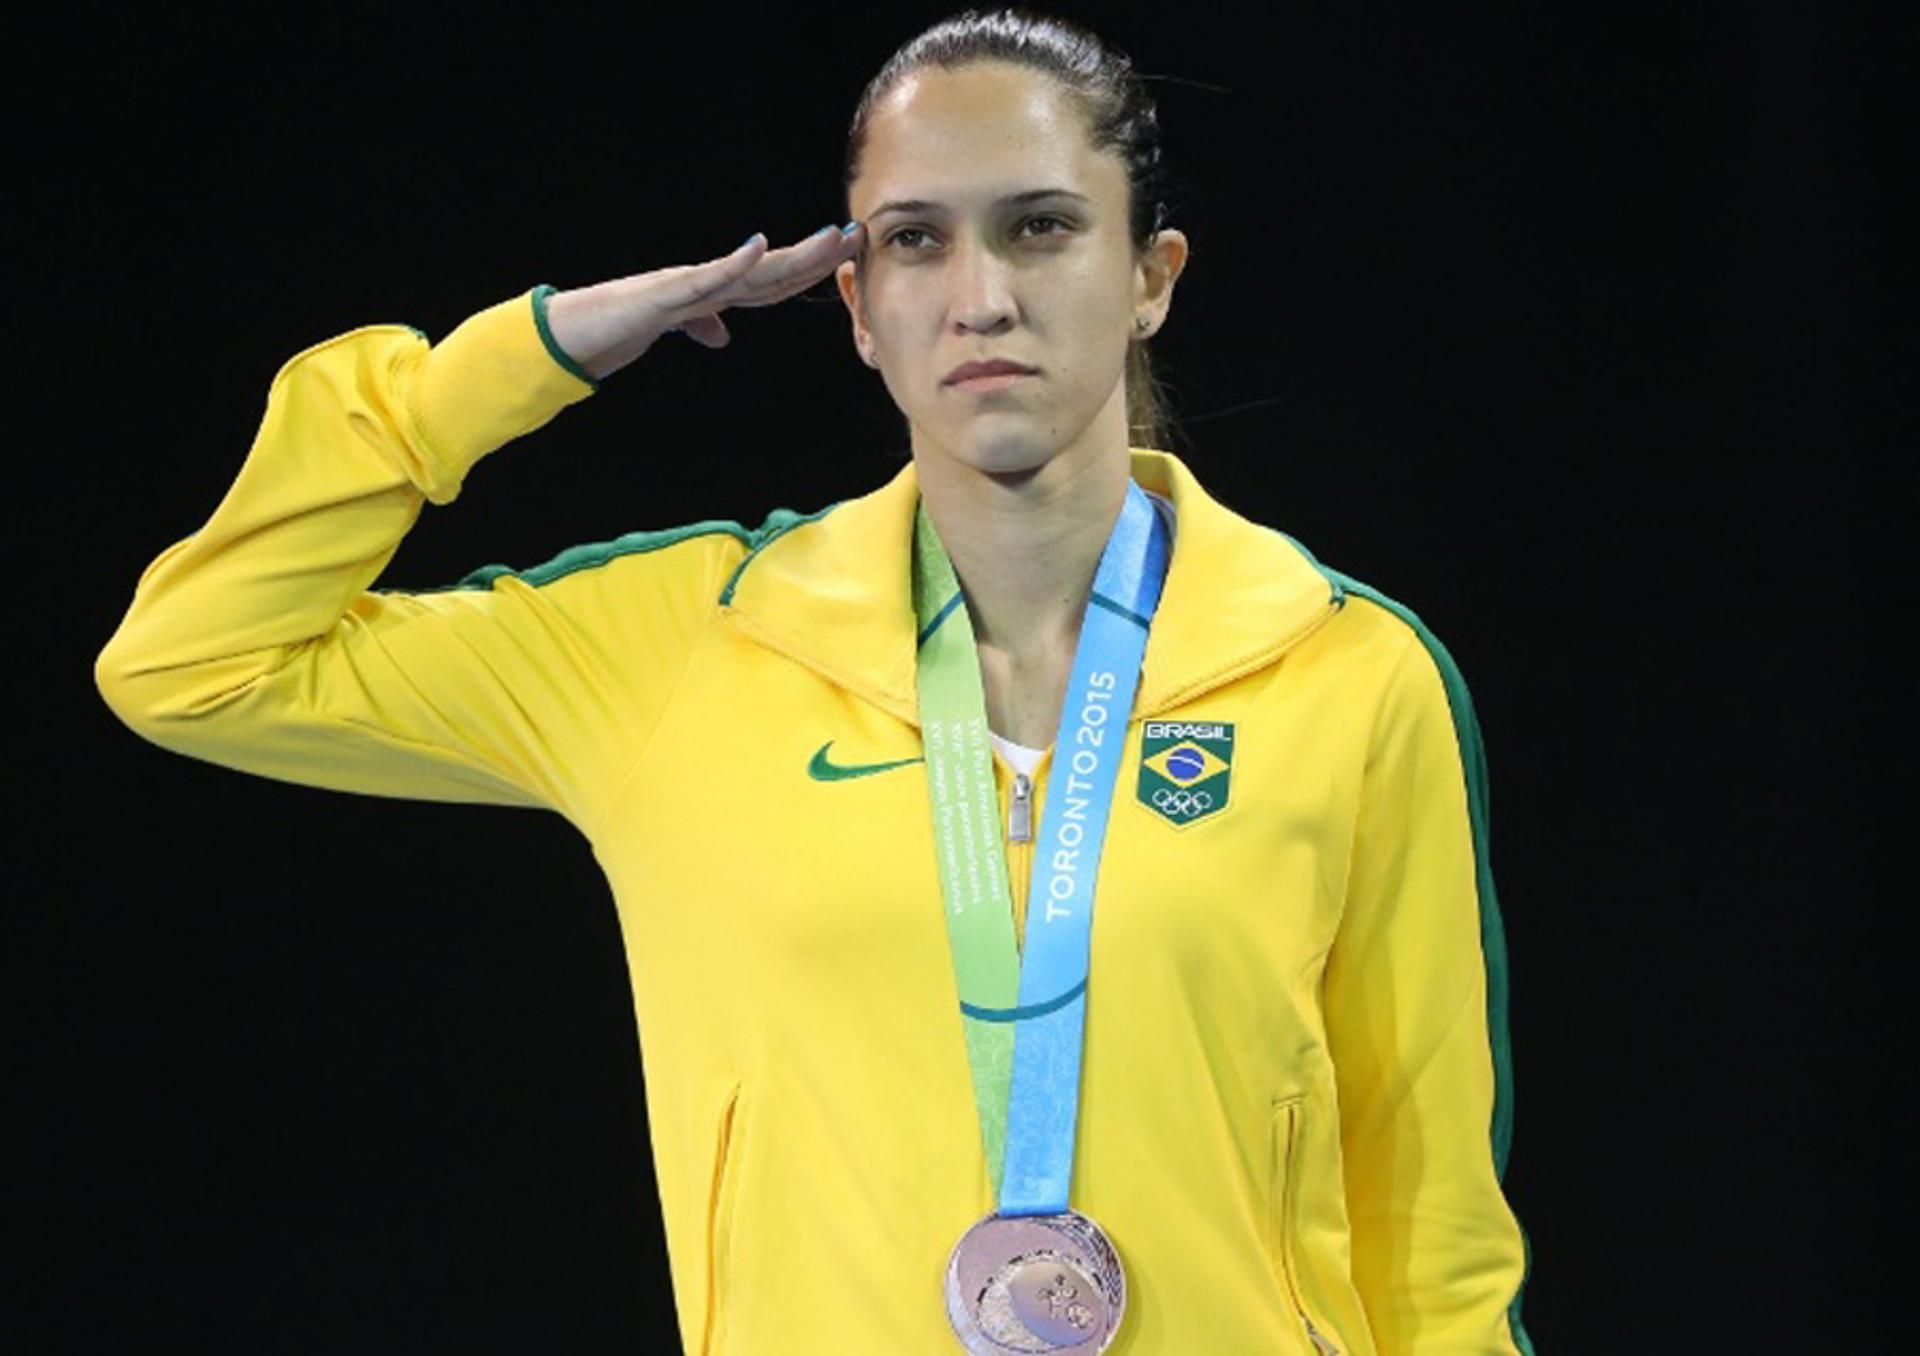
[[1278, 1093]]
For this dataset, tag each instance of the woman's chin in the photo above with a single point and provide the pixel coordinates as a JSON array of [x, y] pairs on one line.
[[1004, 458]]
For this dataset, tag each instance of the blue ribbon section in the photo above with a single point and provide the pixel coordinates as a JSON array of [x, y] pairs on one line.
[[1043, 1106]]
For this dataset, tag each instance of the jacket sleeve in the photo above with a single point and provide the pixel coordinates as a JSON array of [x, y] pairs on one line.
[[257, 644], [1416, 1012]]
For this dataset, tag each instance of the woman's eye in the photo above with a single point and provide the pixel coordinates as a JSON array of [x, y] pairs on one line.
[[915, 230]]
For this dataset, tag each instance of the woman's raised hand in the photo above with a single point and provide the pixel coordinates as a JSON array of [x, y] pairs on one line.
[[606, 326]]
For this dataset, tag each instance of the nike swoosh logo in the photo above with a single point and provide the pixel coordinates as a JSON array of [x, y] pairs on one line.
[[821, 769]]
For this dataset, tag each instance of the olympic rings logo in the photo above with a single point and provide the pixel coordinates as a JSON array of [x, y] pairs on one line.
[[1185, 804]]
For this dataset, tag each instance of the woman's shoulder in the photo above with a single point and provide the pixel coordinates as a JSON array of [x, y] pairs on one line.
[[693, 549], [1374, 628], [1388, 647]]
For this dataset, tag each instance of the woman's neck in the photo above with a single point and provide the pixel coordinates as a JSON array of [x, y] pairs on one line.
[[1026, 547]]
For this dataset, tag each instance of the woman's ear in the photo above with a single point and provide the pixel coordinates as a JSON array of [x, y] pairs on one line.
[[1162, 267], [846, 278]]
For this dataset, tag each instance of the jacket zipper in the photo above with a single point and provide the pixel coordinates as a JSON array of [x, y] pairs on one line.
[[1020, 811], [1321, 1342], [726, 1184], [1019, 852]]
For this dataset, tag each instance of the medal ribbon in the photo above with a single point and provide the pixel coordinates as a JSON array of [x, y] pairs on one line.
[[1025, 1021]]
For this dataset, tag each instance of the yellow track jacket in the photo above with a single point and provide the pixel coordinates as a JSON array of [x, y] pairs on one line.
[[1296, 1097]]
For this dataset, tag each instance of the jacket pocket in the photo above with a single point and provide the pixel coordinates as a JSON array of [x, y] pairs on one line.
[[1289, 1121], [725, 1185]]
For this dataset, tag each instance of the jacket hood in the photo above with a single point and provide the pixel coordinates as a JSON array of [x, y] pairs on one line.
[[833, 591]]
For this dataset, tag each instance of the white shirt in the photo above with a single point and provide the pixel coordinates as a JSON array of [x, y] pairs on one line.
[[1023, 758]]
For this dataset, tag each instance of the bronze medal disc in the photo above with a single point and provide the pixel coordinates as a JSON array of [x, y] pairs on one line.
[[1035, 1284]]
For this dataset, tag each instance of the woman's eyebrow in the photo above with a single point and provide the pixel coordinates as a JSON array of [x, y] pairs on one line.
[[923, 205]]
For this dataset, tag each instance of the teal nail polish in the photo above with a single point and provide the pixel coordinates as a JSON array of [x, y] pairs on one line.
[[850, 228]]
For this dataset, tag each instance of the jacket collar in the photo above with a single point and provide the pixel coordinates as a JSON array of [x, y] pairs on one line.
[[832, 591]]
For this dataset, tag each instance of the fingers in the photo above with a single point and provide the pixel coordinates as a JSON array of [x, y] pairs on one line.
[[786, 272], [751, 275], [694, 286], [709, 331], [814, 260]]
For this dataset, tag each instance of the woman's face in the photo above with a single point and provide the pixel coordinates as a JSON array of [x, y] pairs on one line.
[[1051, 282]]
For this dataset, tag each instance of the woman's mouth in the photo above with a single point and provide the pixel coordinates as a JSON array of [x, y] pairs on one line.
[[997, 381]]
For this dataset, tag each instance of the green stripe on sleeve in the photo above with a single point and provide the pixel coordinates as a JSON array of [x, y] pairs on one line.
[[1493, 943], [540, 295], [588, 556]]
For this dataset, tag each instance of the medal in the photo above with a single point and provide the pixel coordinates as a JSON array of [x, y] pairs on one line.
[[1035, 1283], [1033, 1276]]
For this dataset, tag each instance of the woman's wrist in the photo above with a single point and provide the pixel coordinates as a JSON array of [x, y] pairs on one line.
[[577, 324]]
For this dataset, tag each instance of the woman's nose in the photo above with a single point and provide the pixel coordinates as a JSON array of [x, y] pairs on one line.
[[982, 296]]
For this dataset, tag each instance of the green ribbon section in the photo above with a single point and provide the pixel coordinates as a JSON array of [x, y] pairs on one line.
[[966, 812]]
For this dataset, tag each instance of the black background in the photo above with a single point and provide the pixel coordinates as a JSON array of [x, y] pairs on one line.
[[1562, 325]]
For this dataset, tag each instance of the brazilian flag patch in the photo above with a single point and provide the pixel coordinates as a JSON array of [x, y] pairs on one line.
[[1186, 768]]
